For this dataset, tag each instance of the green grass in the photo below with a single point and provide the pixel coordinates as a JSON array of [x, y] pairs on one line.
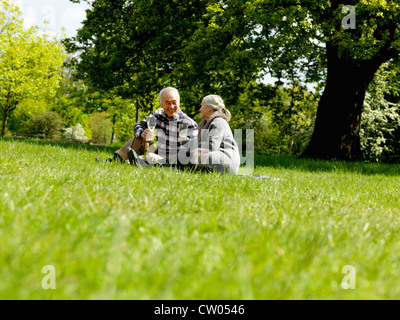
[[112, 231]]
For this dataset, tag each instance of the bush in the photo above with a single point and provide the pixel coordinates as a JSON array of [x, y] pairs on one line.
[[376, 134], [25, 111], [72, 114], [124, 127], [47, 124], [76, 133], [101, 127], [262, 132], [282, 118], [380, 122], [302, 137]]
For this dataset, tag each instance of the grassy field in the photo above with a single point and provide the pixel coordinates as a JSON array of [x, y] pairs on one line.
[[112, 231]]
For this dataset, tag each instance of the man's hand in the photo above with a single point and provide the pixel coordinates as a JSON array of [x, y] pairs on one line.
[[147, 134]]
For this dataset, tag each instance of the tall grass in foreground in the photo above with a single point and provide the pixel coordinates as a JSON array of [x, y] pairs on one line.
[[112, 231]]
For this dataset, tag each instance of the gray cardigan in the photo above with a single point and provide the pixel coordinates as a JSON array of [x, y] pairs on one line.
[[216, 148]]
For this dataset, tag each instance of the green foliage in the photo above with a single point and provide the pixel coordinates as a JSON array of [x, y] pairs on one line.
[[72, 114], [376, 32], [294, 110], [30, 64], [133, 48], [124, 127], [47, 125], [101, 127], [381, 117], [121, 115], [281, 117], [251, 112], [27, 109], [75, 102]]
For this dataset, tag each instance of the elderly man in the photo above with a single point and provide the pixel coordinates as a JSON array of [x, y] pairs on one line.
[[168, 119]]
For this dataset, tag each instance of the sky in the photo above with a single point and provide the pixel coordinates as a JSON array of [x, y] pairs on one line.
[[59, 13]]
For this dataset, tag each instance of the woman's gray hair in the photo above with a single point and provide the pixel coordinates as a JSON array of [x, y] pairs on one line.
[[217, 104], [168, 89]]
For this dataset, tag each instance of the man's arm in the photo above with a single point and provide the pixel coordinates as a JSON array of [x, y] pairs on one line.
[[141, 129]]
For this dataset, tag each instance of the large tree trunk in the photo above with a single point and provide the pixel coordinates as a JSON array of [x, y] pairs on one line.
[[337, 126]]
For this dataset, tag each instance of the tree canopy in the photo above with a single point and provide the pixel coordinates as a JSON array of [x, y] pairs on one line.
[[222, 46], [30, 63]]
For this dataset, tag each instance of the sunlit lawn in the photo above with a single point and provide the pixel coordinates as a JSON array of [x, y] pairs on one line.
[[112, 231]]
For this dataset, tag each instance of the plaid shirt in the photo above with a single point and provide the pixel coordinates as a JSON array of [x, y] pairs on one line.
[[167, 132]]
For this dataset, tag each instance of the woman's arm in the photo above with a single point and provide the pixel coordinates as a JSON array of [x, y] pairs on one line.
[[216, 134]]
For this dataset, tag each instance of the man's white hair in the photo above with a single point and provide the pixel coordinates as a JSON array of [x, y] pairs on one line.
[[168, 89]]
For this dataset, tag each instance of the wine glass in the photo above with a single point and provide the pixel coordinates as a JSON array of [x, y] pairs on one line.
[[151, 124], [183, 130]]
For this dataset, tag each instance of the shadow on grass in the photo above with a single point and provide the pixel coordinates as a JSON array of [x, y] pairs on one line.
[[67, 144], [314, 165], [286, 162]]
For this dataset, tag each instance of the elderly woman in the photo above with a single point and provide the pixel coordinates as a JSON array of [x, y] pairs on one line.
[[215, 149]]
